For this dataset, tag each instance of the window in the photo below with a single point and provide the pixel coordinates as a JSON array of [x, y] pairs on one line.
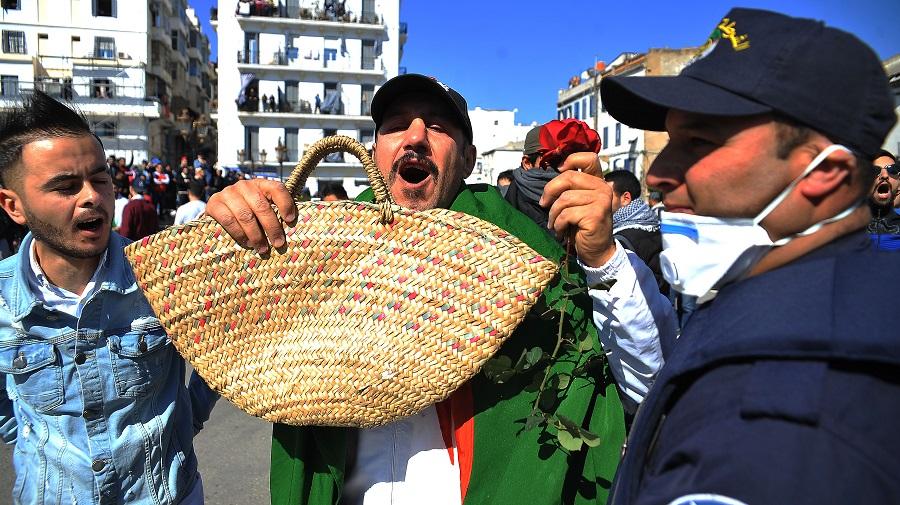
[[366, 137], [291, 143], [368, 12], [13, 42], [368, 91], [105, 48], [101, 88], [593, 105], [577, 110], [194, 68], [11, 4], [9, 85], [105, 129], [175, 40], [337, 157], [103, 8], [251, 142], [605, 137], [292, 96], [368, 55], [618, 133]]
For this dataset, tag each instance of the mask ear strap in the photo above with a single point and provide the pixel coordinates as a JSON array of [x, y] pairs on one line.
[[790, 187]]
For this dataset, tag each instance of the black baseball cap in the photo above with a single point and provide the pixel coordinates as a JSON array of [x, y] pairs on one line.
[[410, 83], [758, 61]]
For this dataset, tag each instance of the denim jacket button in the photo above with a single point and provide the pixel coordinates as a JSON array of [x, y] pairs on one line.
[[80, 358], [98, 465]]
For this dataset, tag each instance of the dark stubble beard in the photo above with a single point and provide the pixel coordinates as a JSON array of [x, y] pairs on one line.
[[54, 238], [417, 195]]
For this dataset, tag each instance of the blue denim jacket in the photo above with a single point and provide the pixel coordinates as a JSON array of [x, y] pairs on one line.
[[110, 423]]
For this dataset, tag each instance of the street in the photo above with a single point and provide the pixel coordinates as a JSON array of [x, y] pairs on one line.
[[233, 450]]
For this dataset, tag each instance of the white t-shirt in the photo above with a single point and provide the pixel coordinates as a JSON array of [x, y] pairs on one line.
[[189, 211]]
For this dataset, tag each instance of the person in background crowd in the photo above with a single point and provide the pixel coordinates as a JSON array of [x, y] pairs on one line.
[[111, 166], [424, 150], [121, 200], [783, 386], [504, 179], [92, 392], [195, 206], [635, 225], [161, 181], [654, 200], [139, 218], [885, 225], [332, 192], [182, 181], [529, 179]]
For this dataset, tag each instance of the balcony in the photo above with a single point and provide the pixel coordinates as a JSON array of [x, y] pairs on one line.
[[93, 98], [305, 120], [194, 52], [159, 34], [278, 66], [316, 27]]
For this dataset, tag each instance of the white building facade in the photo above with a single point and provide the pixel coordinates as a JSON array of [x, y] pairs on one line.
[[317, 64], [98, 55], [492, 130]]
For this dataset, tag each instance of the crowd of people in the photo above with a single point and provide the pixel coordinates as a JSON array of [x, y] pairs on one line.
[[780, 388]]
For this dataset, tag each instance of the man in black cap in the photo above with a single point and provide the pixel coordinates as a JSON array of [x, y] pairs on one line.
[[529, 179], [471, 448], [783, 386]]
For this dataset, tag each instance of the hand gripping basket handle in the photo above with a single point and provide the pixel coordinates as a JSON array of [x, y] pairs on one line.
[[341, 143]]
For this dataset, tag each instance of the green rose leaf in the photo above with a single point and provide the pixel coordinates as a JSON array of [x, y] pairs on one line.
[[589, 439], [568, 441]]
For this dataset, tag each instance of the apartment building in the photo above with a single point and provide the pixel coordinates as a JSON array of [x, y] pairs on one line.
[[132, 67], [624, 148], [294, 71]]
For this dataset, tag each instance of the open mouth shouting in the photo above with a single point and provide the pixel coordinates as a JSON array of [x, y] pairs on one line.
[[413, 169], [883, 191], [91, 224]]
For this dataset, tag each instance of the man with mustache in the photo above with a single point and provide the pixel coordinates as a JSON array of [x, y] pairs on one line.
[[93, 391], [885, 225], [471, 448]]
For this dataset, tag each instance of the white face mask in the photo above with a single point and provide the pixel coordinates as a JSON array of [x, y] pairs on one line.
[[702, 253]]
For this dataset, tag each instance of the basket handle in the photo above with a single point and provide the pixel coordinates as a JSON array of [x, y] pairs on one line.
[[341, 143]]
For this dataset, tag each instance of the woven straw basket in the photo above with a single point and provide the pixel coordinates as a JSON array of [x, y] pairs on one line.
[[370, 313]]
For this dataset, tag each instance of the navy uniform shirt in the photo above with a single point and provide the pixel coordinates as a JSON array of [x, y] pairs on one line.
[[784, 389]]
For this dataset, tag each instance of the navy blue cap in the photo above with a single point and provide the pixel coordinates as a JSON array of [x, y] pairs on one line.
[[412, 83], [758, 61]]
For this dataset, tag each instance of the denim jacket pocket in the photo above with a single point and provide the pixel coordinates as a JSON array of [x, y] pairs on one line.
[[140, 361], [36, 370]]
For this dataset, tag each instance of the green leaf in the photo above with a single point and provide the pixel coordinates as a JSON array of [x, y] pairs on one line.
[[560, 381], [547, 400], [569, 424], [576, 290], [535, 384], [586, 345], [589, 439], [498, 369], [534, 356], [533, 421], [568, 441]]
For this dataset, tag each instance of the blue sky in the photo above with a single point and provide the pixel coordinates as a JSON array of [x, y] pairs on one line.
[[504, 55]]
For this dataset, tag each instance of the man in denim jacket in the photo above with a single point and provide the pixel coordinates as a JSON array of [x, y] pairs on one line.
[[93, 392]]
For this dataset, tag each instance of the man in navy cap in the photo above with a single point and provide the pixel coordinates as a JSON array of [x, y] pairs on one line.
[[783, 387]]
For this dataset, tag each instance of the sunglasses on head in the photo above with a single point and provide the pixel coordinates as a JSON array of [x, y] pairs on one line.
[[893, 170]]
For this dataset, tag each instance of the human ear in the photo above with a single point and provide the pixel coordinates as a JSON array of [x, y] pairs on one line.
[[12, 204], [829, 176]]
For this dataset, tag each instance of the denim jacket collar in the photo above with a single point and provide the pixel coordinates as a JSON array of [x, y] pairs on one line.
[[119, 279]]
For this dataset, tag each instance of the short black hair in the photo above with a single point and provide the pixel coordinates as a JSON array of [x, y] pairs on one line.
[[506, 174], [36, 117], [333, 188], [883, 153], [197, 188], [622, 181]]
